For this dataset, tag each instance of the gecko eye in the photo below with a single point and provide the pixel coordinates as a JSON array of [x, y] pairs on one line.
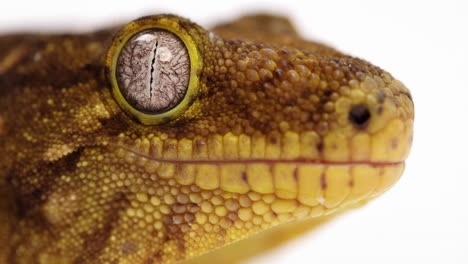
[[153, 65], [153, 71]]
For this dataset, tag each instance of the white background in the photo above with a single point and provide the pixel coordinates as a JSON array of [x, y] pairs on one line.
[[424, 219]]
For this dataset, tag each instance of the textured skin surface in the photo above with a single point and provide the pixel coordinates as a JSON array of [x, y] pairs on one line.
[[282, 129]]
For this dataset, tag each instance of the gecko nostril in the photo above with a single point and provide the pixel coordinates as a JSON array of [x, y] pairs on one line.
[[359, 115]]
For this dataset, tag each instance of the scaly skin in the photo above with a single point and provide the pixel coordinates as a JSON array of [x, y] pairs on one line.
[[270, 138]]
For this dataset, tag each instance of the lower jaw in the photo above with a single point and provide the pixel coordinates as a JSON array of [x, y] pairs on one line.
[[273, 193], [329, 185], [312, 184]]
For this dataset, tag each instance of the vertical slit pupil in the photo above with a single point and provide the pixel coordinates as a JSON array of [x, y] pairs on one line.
[[152, 68]]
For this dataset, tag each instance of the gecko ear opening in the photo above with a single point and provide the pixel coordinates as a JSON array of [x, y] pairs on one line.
[[153, 65]]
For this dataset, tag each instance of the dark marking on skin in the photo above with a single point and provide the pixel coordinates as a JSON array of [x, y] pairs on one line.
[[186, 24], [34, 218], [285, 53], [381, 96], [323, 181], [306, 93], [167, 220], [295, 174], [394, 143], [409, 96], [11, 258], [151, 260], [177, 220], [115, 124], [233, 216], [170, 146], [381, 170], [273, 139], [2, 125], [166, 119], [181, 244], [96, 241], [380, 109], [178, 208], [351, 182], [194, 208], [189, 218], [63, 76], [320, 147], [244, 176], [128, 248], [176, 235], [278, 73], [30, 200], [284, 64], [328, 92], [200, 144], [222, 233], [155, 258]]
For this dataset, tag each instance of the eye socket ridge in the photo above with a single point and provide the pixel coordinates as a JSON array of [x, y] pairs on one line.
[[153, 66]]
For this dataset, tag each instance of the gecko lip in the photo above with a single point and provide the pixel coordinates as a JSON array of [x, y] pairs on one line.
[[282, 177], [302, 161]]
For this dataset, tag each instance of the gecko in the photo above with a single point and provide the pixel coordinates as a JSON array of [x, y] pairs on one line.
[[160, 141]]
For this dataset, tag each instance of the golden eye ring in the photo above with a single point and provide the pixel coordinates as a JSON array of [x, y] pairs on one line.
[[153, 65]]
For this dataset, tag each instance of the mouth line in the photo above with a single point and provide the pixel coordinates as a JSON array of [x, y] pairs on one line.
[[299, 161]]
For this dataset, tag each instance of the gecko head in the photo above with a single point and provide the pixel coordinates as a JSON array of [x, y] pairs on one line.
[[263, 131], [289, 118], [194, 140], [274, 102]]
